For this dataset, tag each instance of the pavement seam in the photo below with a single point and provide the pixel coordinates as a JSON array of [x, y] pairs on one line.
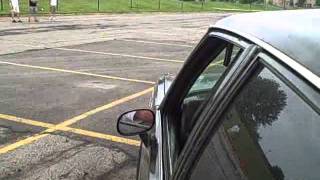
[[152, 42], [64, 125], [111, 54]]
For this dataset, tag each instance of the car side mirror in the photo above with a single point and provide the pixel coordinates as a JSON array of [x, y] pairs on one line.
[[135, 122]]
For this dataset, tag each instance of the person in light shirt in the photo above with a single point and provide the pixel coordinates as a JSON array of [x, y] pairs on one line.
[[53, 9], [15, 10]]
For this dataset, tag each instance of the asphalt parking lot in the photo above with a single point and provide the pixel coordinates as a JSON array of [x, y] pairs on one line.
[[59, 105]]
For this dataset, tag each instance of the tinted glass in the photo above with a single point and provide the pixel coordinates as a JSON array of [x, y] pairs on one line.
[[268, 132], [201, 89]]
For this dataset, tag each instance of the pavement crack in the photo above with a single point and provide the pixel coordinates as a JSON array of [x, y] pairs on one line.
[[65, 175], [12, 130]]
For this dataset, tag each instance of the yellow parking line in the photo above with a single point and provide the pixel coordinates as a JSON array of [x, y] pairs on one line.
[[69, 129], [71, 121], [102, 136], [26, 121], [122, 55], [76, 72]]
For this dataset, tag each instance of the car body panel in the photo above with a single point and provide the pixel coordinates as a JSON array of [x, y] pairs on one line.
[[150, 158], [295, 33], [261, 37]]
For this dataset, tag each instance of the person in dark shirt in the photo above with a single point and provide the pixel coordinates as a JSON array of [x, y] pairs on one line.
[[33, 9]]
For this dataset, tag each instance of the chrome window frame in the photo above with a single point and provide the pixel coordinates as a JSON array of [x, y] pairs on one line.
[[302, 70]]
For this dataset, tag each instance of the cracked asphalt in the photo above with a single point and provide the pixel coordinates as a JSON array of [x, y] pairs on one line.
[[77, 75]]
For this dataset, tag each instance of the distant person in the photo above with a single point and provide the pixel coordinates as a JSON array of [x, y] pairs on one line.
[[33, 10], [15, 10], [53, 9]]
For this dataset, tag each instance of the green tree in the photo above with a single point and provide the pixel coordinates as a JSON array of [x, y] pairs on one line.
[[301, 3]]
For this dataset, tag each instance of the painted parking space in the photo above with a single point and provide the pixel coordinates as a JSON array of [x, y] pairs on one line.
[[117, 72], [45, 85], [66, 98], [59, 76], [25, 85]]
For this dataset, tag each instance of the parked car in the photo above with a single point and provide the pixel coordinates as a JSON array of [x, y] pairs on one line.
[[246, 104]]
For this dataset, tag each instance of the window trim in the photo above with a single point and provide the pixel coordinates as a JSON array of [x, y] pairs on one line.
[[275, 68], [167, 162], [241, 42]]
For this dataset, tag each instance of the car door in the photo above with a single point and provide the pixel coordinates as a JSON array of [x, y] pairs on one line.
[[213, 61], [211, 51], [267, 128]]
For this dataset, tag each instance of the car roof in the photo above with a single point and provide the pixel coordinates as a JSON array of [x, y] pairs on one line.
[[296, 33]]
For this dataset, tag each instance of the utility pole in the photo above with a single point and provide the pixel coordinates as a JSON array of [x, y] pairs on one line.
[[159, 4], [265, 4], [181, 5]]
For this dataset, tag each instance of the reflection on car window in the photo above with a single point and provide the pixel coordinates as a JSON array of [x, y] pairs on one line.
[[268, 132]]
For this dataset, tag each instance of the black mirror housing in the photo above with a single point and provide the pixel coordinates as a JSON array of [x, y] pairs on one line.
[[135, 122]]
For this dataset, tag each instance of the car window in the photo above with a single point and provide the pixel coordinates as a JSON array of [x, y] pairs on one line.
[[268, 132], [211, 74], [202, 87], [207, 79]]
